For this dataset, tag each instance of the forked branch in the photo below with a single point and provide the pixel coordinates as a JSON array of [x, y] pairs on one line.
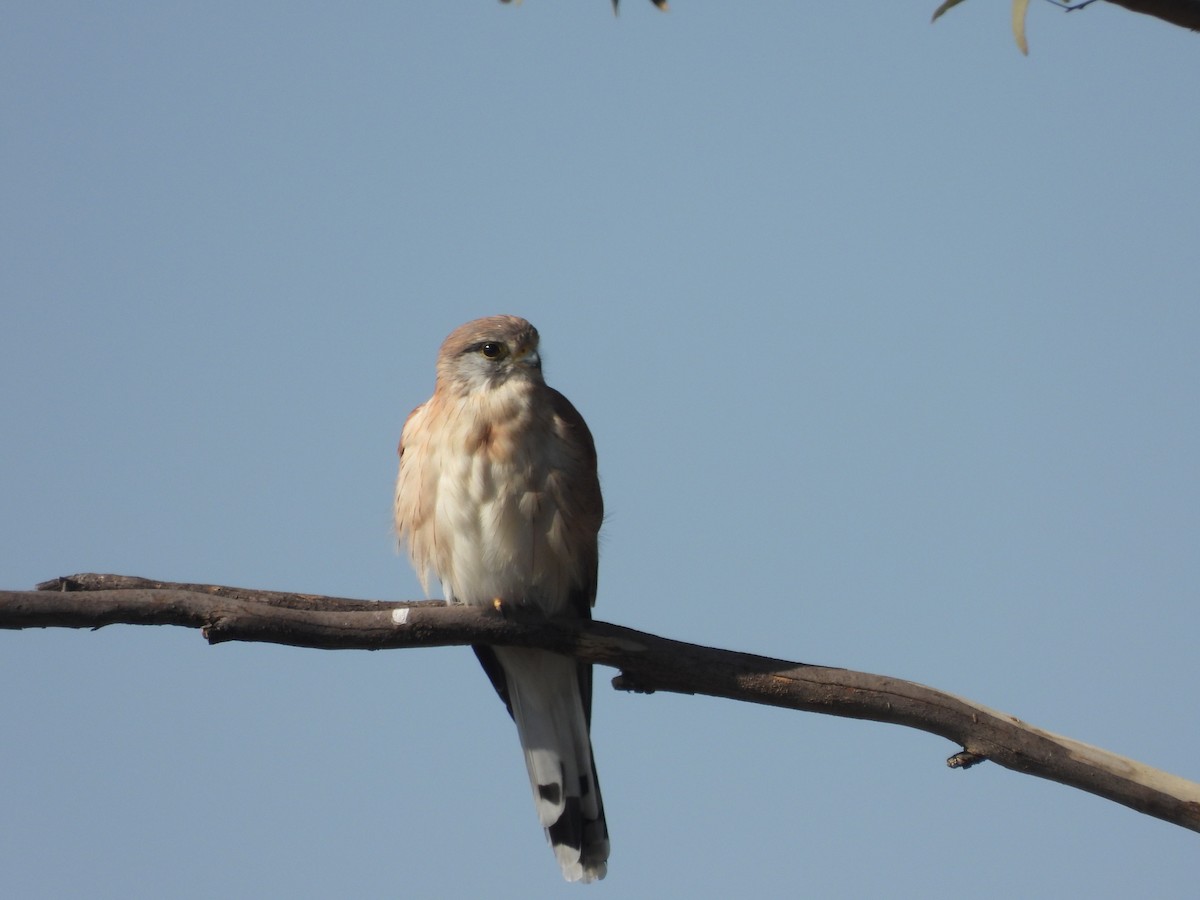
[[647, 663]]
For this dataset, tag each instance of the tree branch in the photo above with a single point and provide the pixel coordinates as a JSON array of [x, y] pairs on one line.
[[1184, 13], [647, 662]]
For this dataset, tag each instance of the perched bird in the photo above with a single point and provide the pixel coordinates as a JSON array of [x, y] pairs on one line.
[[498, 497]]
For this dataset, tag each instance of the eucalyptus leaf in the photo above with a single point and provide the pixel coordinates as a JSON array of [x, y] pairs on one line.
[[949, 4], [1020, 7]]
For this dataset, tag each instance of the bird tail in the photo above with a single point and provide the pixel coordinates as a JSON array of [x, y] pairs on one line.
[[547, 704]]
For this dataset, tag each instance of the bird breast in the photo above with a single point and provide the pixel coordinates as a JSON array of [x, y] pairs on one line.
[[495, 526]]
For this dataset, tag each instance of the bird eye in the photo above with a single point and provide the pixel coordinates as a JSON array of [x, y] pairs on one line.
[[492, 350]]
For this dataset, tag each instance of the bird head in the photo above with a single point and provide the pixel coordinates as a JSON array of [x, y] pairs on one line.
[[489, 352]]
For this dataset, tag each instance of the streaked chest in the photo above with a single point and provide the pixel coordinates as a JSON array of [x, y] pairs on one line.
[[482, 500]]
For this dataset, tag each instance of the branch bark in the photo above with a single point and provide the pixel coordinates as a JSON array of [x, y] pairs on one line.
[[1184, 13], [647, 663]]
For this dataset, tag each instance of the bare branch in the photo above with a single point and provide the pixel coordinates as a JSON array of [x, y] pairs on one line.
[[647, 662], [1184, 13]]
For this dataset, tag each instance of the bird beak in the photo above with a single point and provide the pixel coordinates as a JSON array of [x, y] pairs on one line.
[[528, 357]]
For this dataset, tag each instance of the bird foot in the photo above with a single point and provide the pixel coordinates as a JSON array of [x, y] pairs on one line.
[[514, 611]]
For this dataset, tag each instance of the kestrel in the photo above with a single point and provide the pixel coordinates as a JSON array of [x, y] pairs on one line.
[[498, 498]]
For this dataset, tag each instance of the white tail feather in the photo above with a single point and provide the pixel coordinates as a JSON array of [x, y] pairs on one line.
[[548, 710]]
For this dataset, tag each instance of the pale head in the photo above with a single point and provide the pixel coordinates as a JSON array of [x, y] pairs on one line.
[[489, 352]]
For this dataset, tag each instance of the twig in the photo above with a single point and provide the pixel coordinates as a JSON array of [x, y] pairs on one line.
[[647, 663]]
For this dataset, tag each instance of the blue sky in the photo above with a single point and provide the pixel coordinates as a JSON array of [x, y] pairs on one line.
[[887, 335]]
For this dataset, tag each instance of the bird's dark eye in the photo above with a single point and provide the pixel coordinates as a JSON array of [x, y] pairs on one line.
[[492, 350]]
